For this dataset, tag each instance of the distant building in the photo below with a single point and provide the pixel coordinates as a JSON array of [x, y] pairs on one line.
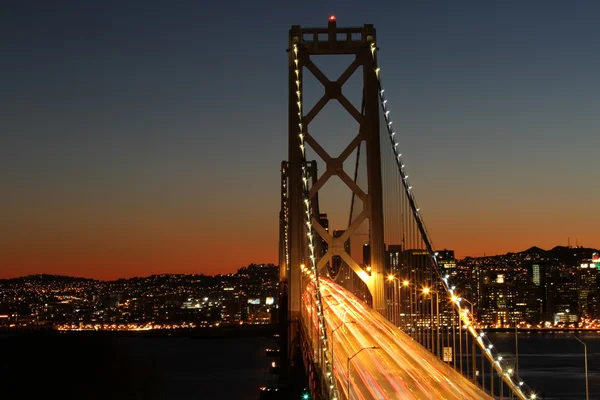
[[394, 258], [324, 221], [231, 308], [338, 265], [416, 264], [366, 255], [446, 260], [537, 278], [587, 288], [525, 304], [563, 300]]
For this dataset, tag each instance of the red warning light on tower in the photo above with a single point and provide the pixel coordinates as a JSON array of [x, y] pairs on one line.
[[332, 18]]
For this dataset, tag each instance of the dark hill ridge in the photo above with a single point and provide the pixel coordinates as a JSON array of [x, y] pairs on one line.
[[154, 279], [575, 253], [46, 278], [568, 255], [534, 250]]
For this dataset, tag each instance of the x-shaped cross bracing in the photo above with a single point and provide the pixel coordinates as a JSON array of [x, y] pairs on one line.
[[335, 165]]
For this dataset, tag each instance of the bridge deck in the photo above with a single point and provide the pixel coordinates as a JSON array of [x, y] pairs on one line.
[[399, 369]]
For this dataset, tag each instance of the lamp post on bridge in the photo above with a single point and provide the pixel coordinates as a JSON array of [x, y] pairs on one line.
[[457, 300], [327, 306], [406, 285], [397, 298], [318, 353], [587, 393], [436, 345], [350, 359], [397, 307], [392, 279], [333, 336], [473, 342]]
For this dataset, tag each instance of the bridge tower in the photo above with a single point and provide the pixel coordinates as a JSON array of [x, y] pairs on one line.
[[310, 42]]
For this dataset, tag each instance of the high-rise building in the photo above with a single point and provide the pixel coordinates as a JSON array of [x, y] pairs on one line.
[[446, 260], [337, 264], [366, 255], [417, 266], [394, 258], [587, 287], [537, 277], [324, 221], [563, 300], [347, 277]]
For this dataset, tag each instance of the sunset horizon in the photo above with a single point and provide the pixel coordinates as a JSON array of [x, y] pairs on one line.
[[231, 268], [130, 150]]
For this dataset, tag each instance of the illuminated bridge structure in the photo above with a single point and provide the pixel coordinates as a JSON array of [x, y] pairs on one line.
[[391, 325]]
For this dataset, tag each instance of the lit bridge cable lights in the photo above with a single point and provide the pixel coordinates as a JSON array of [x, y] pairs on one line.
[[498, 363], [310, 234], [285, 207]]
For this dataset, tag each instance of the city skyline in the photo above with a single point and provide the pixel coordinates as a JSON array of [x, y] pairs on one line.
[[149, 141], [236, 270]]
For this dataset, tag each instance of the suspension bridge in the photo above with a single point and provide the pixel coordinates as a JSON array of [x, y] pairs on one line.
[[392, 324]]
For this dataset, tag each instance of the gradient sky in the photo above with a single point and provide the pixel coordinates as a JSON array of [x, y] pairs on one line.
[[147, 138]]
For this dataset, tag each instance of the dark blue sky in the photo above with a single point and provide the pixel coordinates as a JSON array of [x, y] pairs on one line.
[[129, 126]]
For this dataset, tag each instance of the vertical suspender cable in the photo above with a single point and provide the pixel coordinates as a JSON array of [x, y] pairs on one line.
[[498, 363]]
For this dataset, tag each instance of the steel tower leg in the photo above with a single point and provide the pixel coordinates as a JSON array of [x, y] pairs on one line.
[[283, 225], [370, 130], [311, 42], [296, 236]]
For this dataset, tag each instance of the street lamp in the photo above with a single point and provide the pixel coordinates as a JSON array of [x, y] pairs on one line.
[[467, 343], [435, 345], [390, 308], [517, 348], [587, 394], [396, 299], [454, 299], [332, 337], [406, 284], [426, 291], [348, 364], [460, 310]]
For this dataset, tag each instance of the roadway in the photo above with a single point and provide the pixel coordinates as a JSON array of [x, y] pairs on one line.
[[399, 369]]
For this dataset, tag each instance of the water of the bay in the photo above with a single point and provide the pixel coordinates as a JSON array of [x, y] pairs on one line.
[[182, 368], [550, 363], [553, 364]]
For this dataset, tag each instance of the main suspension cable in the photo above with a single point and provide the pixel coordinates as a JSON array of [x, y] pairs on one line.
[[497, 361]]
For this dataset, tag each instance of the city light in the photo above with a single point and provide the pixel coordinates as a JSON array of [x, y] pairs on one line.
[[143, 304]]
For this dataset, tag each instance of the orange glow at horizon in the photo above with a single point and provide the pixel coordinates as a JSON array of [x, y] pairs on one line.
[[112, 255], [126, 240]]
